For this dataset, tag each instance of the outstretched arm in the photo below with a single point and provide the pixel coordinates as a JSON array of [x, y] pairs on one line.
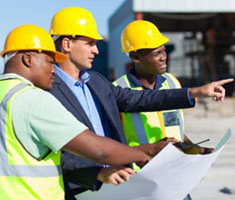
[[213, 89], [104, 150]]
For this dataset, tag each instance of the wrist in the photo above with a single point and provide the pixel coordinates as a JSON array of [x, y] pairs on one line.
[[193, 92], [143, 148], [145, 158], [100, 175]]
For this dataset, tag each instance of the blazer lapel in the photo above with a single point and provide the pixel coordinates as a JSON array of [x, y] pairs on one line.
[[96, 88], [69, 96]]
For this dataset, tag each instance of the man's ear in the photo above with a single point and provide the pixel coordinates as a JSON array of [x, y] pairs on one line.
[[135, 57], [27, 59], [66, 44]]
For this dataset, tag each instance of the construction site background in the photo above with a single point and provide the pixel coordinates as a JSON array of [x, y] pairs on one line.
[[211, 120]]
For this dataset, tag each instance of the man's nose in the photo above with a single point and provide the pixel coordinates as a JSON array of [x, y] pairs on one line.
[[53, 70], [95, 50], [163, 56]]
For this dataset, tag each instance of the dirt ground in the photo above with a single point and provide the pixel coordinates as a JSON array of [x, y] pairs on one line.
[[211, 120]]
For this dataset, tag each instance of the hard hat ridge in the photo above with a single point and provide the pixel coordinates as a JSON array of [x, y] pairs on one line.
[[74, 21], [31, 37], [141, 34]]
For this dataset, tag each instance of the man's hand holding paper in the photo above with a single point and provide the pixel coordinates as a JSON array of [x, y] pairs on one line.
[[155, 148]]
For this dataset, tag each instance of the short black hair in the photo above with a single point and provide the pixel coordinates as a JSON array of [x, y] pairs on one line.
[[58, 42], [133, 53]]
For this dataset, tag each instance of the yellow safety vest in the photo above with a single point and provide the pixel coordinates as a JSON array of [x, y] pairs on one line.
[[150, 127], [22, 176]]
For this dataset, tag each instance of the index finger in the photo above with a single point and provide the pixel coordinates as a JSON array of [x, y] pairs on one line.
[[224, 81]]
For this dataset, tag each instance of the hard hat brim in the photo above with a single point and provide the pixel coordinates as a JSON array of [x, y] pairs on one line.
[[98, 37], [58, 56], [2, 53]]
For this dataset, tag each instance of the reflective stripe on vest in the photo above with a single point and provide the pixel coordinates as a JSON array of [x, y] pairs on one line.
[[13, 170], [21, 175], [172, 85], [137, 121]]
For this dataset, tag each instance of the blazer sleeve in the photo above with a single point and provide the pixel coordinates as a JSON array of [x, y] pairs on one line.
[[80, 172], [129, 100]]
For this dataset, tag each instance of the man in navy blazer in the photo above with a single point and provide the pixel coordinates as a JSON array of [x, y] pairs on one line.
[[94, 101], [113, 100]]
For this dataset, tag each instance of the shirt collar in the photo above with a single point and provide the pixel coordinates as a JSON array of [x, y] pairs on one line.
[[134, 82], [15, 76], [84, 77]]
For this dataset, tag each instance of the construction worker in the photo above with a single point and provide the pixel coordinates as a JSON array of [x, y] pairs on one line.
[[95, 101], [34, 126], [145, 46]]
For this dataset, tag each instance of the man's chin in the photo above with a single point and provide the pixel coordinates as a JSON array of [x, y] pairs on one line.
[[162, 71], [87, 67], [49, 86]]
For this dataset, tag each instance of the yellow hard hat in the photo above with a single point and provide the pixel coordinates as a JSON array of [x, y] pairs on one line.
[[141, 34], [74, 21], [31, 37]]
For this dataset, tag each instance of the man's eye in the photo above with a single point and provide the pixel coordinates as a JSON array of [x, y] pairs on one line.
[[160, 52], [156, 53], [92, 43]]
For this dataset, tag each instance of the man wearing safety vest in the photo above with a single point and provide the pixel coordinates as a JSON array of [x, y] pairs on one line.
[[145, 45], [94, 101], [34, 126]]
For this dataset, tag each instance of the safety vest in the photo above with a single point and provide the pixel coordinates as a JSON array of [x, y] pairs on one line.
[[150, 127], [22, 176]]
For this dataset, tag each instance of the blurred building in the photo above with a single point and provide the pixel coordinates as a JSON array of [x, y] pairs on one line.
[[201, 32], [100, 63]]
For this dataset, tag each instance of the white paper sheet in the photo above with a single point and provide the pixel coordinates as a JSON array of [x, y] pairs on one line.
[[170, 175]]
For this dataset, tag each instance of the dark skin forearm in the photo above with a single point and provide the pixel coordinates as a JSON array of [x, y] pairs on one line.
[[104, 150]]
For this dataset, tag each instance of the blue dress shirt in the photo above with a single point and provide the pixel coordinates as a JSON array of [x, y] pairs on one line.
[[85, 98]]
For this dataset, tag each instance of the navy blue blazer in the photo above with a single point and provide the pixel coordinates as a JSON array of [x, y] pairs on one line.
[[113, 100]]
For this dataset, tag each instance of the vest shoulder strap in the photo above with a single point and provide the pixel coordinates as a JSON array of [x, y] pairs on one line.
[[123, 81]]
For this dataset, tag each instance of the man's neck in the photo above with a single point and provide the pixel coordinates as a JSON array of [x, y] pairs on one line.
[[146, 79], [70, 69]]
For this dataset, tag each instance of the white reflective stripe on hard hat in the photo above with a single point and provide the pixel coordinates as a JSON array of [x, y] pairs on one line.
[[128, 54], [56, 37], [9, 55]]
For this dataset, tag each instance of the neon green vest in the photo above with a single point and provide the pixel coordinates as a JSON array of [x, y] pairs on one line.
[[23, 177], [150, 127]]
